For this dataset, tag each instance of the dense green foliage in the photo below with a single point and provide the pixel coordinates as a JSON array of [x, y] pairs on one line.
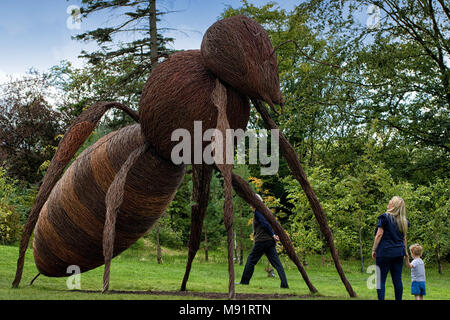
[[29, 125], [15, 201], [367, 110]]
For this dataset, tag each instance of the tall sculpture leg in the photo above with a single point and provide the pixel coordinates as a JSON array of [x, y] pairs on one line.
[[244, 190], [113, 200], [228, 221], [294, 164], [72, 140], [225, 166], [201, 175]]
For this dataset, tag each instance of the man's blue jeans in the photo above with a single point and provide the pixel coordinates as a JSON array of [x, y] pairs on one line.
[[260, 248], [395, 266]]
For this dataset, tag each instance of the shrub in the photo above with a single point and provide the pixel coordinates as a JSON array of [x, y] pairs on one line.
[[15, 202]]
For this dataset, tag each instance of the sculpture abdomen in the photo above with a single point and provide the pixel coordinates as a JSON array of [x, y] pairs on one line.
[[70, 226]]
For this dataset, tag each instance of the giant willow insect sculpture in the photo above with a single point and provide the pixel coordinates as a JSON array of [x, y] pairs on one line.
[[117, 189]]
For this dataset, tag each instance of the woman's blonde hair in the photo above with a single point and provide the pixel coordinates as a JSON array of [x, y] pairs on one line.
[[398, 211]]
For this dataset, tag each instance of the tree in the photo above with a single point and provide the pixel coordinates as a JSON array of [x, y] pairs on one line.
[[29, 126], [341, 75], [427, 212], [135, 17], [352, 199], [174, 224], [120, 68], [82, 87], [179, 209], [394, 71]]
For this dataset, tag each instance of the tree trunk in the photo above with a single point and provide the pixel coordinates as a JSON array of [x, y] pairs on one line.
[[322, 250], [206, 243], [158, 244], [322, 253], [439, 258], [361, 251], [438, 252], [235, 249], [153, 34], [241, 245]]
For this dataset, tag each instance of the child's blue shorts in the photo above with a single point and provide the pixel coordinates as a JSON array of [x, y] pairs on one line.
[[418, 288]]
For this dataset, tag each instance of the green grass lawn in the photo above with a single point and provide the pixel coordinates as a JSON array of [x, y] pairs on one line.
[[137, 270]]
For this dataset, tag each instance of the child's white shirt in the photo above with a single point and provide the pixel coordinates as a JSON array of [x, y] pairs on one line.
[[417, 270]]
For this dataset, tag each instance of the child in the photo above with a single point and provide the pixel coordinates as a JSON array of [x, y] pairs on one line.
[[417, 272]]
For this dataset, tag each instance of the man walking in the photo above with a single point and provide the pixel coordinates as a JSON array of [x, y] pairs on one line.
[[265, 243]]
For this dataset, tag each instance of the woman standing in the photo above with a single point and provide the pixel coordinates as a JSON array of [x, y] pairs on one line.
[[389, 246]]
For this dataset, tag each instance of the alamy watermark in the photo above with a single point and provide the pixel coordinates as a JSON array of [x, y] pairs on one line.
[[74, 21], [373, 282], [74, 281], [373, 21], [220, 150]]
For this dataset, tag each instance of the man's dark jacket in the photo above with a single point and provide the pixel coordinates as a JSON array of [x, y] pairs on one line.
[[262, 231]]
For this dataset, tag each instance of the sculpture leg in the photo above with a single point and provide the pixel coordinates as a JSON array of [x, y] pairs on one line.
[[201, 175], [294, 164], [245, 191], [225, 166], [113, 200], [228, 221], [72, 140]]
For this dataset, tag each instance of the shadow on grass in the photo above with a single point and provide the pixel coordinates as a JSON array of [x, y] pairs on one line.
[[212, 295]]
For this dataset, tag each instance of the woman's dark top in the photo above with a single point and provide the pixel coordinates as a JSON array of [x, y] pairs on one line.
[[391, 244]]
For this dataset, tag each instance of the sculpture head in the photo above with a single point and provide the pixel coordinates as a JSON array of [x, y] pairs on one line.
[[239, 52]]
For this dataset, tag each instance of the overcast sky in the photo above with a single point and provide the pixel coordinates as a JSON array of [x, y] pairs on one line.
[[34, 33]]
